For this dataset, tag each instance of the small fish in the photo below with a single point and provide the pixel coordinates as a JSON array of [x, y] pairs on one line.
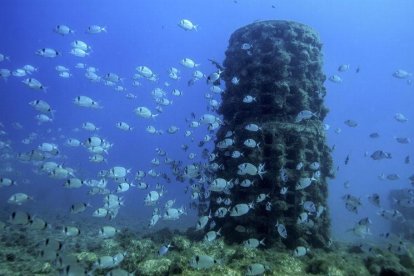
[[189, 63], [343, 67], [144, 112], [71, 231], [100, 213], [48, 52], [89, 126], [211, 236], [268, 206], [253, 243], [235, 81], [77, 208], [214, 78], [374, 135], [300, 251], [346, 184], [261, 197], [347, 160], [19, 73], [399, 117], [302, 218], [335, 79], [124, 126], [187, 25], [202, 262], [19, 198], [164, 249], [249, 99], [85, 101], [304, 115], [38, 224], [352, 200], [65, 75], [405, 202], [393, 176], [3, 57], [283, 175], [399, 249], [255, 269], [304, 182], [145, 72], [202, 222], [240, 209], [403, 140], [393, 215], [281, 229], [34, 84], [314, 166], [351, 123], [380, 154], [4, 182], [360, 230], [79, 53], [309, 206], [250, 143], [95, 29], [114, 272], [365, 221], [252, 127], [246, 183], [299, 166], [236, 154], [81, 45], [401, 74], [105, 262], [20, 218], [63, 30], [176, 93], [246, 46]]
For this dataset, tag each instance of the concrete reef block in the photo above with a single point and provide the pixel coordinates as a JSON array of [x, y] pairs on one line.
[[279, 64]]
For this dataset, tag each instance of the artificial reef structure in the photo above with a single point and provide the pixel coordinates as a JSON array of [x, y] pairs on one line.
[[400, 200], [274, 80]]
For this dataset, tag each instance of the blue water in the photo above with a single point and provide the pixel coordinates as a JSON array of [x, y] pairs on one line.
[[373, 35]]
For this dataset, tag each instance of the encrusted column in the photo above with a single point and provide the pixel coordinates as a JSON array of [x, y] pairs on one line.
[[274, 82]]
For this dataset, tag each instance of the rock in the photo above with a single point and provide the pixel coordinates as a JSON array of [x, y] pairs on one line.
[[180, 243], [156, 267]]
